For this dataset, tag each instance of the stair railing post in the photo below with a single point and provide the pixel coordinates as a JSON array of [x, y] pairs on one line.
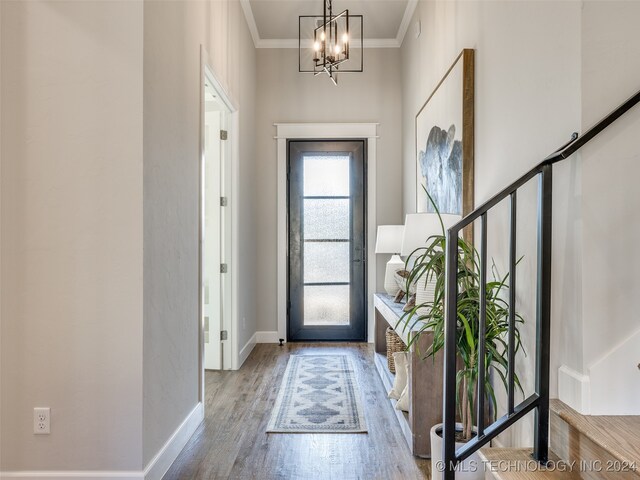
[[543, 314]]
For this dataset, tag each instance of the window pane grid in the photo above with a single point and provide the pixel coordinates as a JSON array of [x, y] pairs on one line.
[[326, 236]]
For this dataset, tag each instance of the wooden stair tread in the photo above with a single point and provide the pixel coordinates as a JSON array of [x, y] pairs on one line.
[[517, 463], [619, 435]]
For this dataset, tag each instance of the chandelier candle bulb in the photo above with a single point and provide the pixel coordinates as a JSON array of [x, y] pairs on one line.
[[316, 48]]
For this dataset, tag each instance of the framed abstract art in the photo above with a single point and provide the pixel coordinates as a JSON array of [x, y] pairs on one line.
[[444, 141]]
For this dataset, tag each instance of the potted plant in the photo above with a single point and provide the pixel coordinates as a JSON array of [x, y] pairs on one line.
[[428, 265]]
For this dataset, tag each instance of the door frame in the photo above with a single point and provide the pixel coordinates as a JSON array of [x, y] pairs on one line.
[[324, 145], [314, 131], [229, 187]]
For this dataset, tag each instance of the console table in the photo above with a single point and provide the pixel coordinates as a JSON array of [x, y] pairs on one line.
[[425, 376]]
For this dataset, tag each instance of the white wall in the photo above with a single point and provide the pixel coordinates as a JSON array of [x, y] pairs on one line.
[[532, 91], [71, 215], [99, 222], [527, 101], [611, 165], [174, 31], [286, 96]]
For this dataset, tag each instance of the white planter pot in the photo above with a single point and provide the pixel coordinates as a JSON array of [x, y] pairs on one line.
[[471, 469]]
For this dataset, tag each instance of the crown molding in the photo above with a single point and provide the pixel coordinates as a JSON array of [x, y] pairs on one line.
[[293, 42], [406, 20], [251, 21]]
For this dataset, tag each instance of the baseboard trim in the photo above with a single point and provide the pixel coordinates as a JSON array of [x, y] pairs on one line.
[[159, 465], [246, 350], [155, 470], [73, 475], [574, 389], [267, 337]]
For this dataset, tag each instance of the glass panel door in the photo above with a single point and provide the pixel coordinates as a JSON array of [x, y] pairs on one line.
[[326, 241]]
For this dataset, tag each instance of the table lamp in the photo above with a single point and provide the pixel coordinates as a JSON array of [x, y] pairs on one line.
[[418, 228], [389, 241]]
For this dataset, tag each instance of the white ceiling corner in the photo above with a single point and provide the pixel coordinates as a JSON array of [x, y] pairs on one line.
[[251, 22], [376, 42], [406, 20]]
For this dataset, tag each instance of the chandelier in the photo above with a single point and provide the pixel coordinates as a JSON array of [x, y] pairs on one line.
[[330, 42]]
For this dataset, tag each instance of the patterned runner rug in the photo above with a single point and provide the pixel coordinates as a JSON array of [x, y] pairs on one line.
[[318, 395]]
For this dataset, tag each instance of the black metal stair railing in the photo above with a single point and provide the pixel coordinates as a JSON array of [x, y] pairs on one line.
[[539, 401]]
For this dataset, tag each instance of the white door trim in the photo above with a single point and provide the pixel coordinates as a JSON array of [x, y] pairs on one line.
[[328, 131], [229, 189]]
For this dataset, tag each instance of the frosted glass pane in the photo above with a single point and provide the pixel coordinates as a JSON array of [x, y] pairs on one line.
[[326, 219], [326, 176], [326, 262], [326, 305]]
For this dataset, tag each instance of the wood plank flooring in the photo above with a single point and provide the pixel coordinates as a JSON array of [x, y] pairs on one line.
[[232, 443], [612, 440]]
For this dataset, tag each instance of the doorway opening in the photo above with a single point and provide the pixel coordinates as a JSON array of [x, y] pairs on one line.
[[217, 343], [327, 270], [213, 231]]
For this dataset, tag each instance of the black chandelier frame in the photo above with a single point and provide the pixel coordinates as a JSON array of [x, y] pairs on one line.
[[327, 63]]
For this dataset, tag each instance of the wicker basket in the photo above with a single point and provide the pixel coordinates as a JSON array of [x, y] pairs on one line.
[[394, 344]]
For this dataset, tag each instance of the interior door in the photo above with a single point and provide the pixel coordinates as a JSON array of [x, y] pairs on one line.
[[212, 231], [327, 269]]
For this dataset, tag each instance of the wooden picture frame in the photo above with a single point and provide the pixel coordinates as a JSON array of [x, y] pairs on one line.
[[444, 134]]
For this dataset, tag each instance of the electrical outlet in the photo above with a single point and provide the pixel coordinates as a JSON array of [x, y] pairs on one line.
[[42, 421]]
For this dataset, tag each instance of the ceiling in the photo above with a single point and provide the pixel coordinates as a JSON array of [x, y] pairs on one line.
[[274, 23]]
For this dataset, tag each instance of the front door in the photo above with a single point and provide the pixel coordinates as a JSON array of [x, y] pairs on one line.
[[327, 270]]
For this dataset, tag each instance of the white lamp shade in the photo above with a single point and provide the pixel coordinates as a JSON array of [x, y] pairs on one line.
[[418, 227], [389, 238]]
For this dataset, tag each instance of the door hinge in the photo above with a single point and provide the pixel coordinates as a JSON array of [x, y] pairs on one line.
[[224, 202], [224, 268], [224, 335], [223, 134]]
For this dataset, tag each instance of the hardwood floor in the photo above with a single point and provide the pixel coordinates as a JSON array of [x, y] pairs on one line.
[[614, 441], [232, 443]]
